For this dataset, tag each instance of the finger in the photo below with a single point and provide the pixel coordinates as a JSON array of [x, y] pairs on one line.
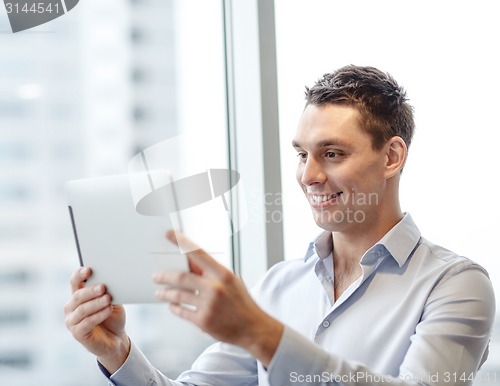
[[187, 246], [177, 296], [187, 313], [78, 278], [84, 327], [201, 263], [199, 260], [87, 309], [179, 239], [193, 267], [180, 279], [83, 295]]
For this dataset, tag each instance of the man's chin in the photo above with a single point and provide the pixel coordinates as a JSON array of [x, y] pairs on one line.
[[338, 220], [328, 223], [335, 227]]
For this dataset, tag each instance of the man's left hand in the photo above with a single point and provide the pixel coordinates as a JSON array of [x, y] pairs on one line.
[[216, 300]]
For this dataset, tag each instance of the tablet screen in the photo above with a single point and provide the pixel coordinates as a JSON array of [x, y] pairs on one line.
[[123, 246]]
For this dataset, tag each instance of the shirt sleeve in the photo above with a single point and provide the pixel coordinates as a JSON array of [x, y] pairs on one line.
[[138, 371], [220, 364], [449, 345]]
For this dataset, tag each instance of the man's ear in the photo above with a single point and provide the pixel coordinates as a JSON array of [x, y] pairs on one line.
[[396, 152]]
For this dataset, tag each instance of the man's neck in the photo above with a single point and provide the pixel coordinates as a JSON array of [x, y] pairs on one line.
[[350, 246]]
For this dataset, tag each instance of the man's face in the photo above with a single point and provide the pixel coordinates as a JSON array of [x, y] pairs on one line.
[[340, 173]]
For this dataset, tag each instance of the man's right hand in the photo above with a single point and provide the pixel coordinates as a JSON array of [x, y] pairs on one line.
[[96, 323]]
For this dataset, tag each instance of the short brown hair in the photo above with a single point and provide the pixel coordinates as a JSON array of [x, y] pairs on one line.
[[381, 102]]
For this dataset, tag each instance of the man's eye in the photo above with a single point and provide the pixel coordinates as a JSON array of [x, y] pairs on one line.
[[331, 154], [302, 156]]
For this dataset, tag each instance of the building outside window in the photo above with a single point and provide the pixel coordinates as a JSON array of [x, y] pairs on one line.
[[79, 97]]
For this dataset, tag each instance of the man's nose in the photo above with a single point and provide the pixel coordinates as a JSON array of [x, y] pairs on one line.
[[312, 173]]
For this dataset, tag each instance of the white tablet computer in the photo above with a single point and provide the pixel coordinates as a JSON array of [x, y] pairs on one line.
[[119, 223]]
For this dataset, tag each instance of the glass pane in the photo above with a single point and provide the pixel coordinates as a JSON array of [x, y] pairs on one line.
[[443, 54], [79, 97]]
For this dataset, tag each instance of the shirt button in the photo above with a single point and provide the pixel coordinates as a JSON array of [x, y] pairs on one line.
[[326, 324]]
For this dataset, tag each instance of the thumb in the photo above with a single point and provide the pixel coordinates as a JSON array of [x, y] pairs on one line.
[[199, 261], [184, 244], [193, 267]]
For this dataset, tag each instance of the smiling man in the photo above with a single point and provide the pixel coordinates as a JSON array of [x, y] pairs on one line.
[[372, 302]]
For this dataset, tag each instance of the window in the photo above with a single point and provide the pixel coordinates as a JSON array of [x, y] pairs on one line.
[[449, 181], [94, 87]]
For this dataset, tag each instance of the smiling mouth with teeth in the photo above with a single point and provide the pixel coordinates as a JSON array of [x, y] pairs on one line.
[[319, 199]]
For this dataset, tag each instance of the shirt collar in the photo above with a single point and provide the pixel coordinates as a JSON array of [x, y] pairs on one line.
[[322, 246], [400, 241]]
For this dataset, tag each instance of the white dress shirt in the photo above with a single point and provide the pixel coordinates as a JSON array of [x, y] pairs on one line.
[[418, 314]]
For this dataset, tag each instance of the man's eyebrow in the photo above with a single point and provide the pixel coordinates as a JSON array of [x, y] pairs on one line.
[[325, 143]]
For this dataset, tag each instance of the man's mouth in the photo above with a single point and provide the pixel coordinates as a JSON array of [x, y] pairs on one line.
[[321, 199]]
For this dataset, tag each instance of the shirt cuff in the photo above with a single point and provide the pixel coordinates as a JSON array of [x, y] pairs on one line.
[[104, 370], [136, 370], [299, 361], [296, 357]]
